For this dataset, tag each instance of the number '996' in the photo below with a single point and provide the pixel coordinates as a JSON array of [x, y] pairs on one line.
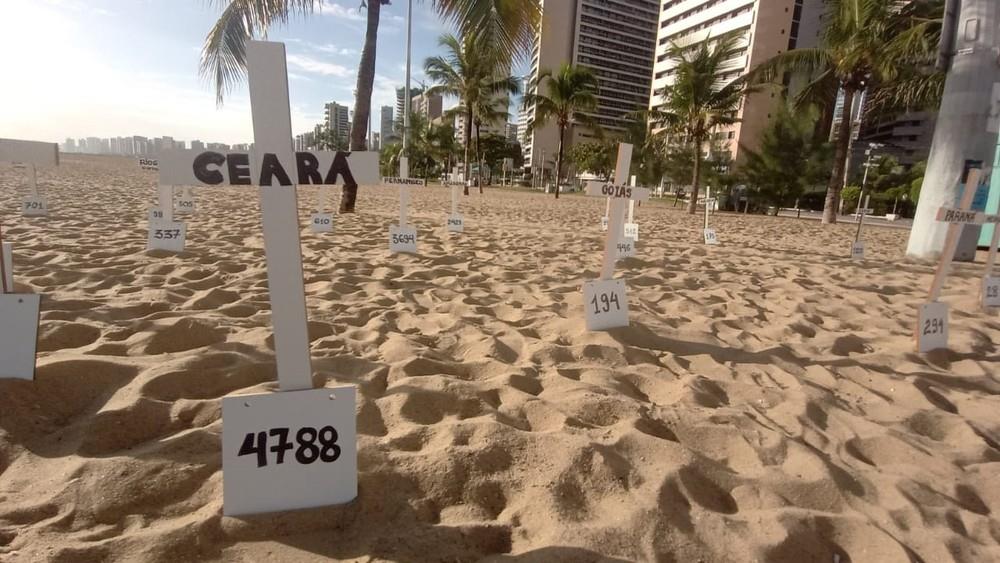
[[612, 190], [310, 445]]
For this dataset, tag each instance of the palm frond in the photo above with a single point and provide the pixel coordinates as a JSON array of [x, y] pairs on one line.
[[223, 55]]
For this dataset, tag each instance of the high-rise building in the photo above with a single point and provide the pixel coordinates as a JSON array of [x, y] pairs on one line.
[[400, 95], [386, 129], [511, 133], [376, 141], [338, 121], [431, 106], [764, 29], [69, 145], [616, 40], [197, 145]]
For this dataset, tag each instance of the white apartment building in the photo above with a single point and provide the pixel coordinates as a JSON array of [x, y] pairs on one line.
[[765, 27], [615, 39]]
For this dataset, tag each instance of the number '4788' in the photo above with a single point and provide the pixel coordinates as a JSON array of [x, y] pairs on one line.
[[307, 450], [602, 303]]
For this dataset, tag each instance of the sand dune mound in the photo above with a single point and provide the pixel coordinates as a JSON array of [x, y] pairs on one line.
[[765, 404]]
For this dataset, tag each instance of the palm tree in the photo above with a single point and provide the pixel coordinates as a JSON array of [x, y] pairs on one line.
[[510, 25], [699, 101], [867, 44], [570, 95], [488, 111], [473, 72]]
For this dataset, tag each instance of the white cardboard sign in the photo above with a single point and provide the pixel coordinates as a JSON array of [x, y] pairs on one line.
[[991, 291], [456, 223], [149, 164], [711, 237], [157, 215], [295, 449], [604, 223], [322, 222], [185, 205], [35, 153], [18, 334], [858, 250], [932, 326], [7, 253], [164, 235], [34, 206], [632, 231], [402, 239], [605, 303], [625, 248]]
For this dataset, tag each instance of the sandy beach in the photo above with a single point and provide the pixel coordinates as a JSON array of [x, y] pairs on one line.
[[766, 403]]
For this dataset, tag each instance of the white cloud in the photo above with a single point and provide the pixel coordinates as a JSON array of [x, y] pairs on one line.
[[328, 8], [314, 66], [333, 49]]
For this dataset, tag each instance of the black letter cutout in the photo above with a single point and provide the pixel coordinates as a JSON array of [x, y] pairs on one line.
[[239, 169], [308, 168], [201, 170], [269, 168], [340, 167]]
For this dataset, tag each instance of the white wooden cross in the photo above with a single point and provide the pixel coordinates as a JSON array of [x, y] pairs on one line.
[[18, 323], [605, 301], [33, 154], [931, 332], [710, 236], [403, 237], [298, 448]]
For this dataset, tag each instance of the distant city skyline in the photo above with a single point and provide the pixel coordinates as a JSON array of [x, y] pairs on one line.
[[80, 82]]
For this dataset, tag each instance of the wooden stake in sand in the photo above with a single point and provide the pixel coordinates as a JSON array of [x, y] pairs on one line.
[[295, 449], [18, 324], [321, 220], [456, 222], [631, 227], [858, 247], [604, 300], [709, 234], [403, 237], [33, 154], [931, 332], [990, 291]]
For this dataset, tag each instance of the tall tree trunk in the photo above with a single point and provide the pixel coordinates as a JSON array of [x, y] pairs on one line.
[[839, 161], [695, 179], [559, 158], [363, 99], [467, 135], [479, 160]]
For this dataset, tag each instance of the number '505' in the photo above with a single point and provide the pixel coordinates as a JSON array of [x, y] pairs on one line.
[[310, 445]]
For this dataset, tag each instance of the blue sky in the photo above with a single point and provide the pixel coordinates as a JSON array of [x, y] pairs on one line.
[[77, 68]]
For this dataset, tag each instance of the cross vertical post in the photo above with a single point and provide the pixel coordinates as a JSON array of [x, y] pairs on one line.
[[616, 218], [951, 240], [272, 131]]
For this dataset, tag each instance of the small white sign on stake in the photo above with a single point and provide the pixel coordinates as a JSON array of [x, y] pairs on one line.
[[455, 222], [34, 206], [991, 292], [858, 250], [149, 164], [931, 332], [710, 236], [625, 248], [167, 235], [403, 237], [292, 449], [322, 222], [18, 323], [605, 301], [185, 203], [932, 327]]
